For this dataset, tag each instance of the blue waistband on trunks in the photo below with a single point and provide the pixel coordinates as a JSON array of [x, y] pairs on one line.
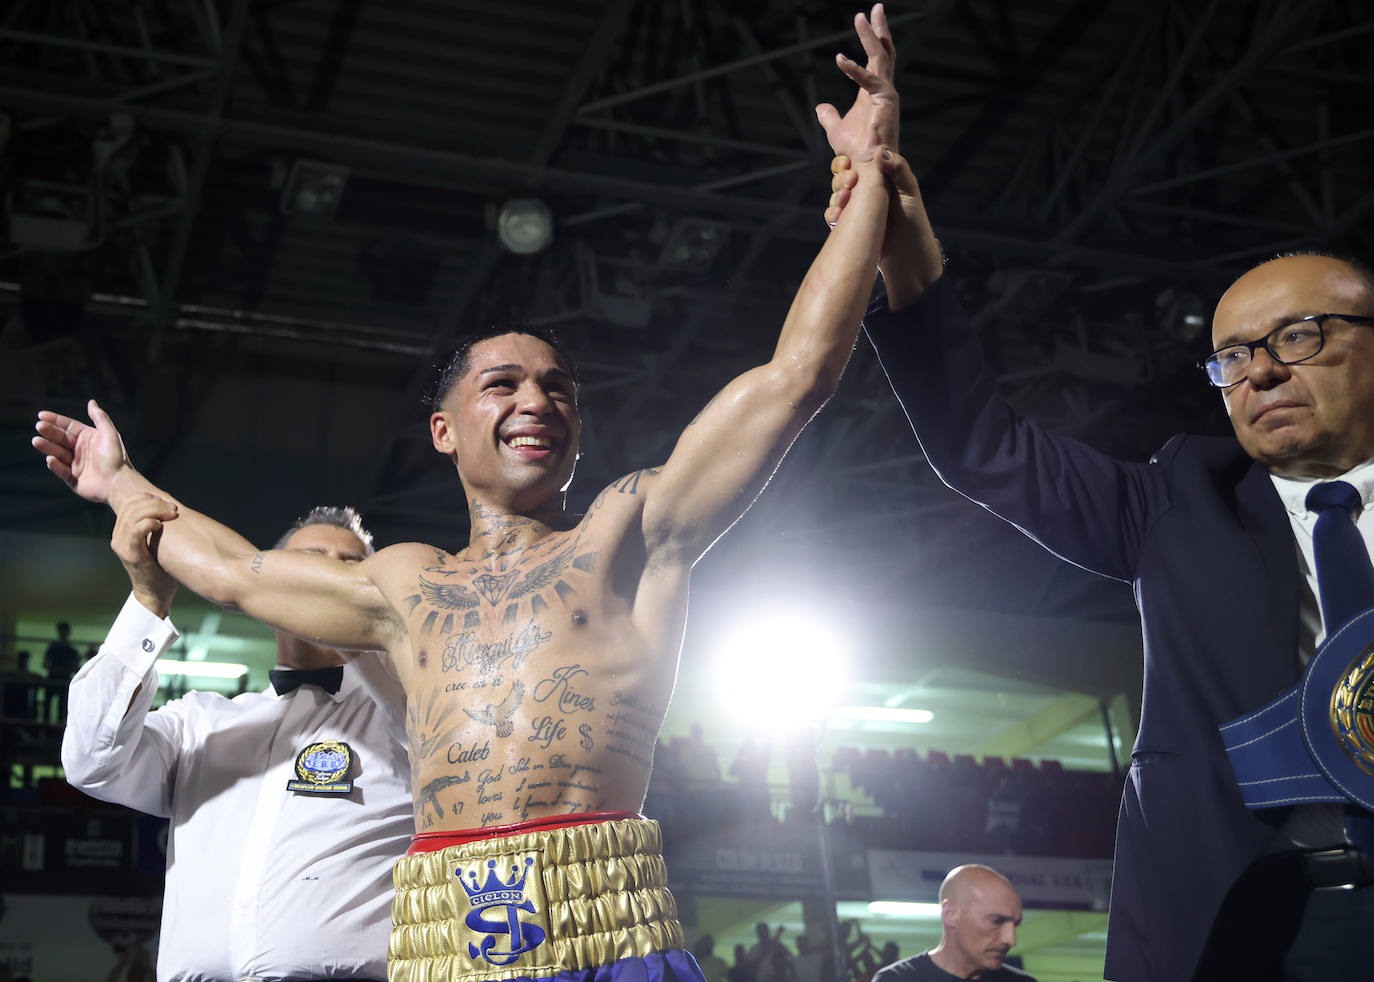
[[673, 965]]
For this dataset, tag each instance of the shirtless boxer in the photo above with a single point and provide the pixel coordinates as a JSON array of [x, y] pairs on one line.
[[538, 661]]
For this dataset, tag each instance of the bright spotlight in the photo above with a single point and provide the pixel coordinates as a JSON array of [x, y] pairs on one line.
[[781, 672], [900, 908]]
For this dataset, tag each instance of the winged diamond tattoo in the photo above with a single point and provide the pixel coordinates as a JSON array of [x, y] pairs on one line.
[[449, 596]]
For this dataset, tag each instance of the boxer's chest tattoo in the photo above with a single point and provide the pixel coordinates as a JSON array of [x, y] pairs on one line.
[[489, 619]]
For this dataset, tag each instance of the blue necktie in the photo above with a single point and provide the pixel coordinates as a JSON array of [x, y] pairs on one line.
[[1345, 577], [286, 680], [1345, 580]]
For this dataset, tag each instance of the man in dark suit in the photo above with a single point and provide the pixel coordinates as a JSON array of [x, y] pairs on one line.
[[1215, 539]]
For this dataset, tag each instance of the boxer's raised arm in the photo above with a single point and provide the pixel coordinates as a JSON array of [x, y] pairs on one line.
[[910, 260], [316, 597], [726, 455]]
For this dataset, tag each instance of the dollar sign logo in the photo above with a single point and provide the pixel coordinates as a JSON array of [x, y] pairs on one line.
[[586, 732]]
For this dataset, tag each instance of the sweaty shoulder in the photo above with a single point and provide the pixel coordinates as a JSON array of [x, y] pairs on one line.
[[620, 505], [400, 559], [392, 570]]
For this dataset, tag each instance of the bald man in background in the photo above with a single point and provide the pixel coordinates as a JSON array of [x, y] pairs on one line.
[[979, 913]]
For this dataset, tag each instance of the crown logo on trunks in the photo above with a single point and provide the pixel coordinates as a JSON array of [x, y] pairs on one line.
[[495, 890]]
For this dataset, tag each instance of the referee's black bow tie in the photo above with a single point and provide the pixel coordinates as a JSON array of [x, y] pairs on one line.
[[285, 680]]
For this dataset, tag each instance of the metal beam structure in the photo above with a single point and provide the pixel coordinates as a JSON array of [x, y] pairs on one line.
[[1087, 166]]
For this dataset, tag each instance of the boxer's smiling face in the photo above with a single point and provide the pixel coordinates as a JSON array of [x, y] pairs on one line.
[[511, 423]]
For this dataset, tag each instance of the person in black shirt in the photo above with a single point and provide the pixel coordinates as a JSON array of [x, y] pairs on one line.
[[979, 914], [60, 661]]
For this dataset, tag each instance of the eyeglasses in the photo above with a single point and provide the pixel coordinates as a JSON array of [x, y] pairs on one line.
[[1287, 345]]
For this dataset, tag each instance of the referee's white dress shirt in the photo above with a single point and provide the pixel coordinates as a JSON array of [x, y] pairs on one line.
[[262, 882]]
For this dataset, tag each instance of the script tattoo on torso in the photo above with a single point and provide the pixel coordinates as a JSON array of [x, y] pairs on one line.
[[505, 638]]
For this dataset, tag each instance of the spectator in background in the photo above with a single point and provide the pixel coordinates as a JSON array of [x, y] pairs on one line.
[[1004, 811], [712, 965], [803, 775], [863, 960], [742, 970], [979, 914], [772, 962], [21, 690], [60, 662], [665, 784], [750, 769], [698, 757], [813, 963]]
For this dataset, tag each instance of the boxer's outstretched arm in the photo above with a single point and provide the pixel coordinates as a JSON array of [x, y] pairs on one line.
[[316, 597], [724, 457]]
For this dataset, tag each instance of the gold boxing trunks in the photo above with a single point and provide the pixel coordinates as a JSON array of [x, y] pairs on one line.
[[531, 902]]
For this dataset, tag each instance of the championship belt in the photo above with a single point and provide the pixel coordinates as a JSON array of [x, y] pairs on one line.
[[1315, 742]]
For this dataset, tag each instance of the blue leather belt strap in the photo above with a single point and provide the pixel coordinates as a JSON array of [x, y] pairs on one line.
[[1313, 743]]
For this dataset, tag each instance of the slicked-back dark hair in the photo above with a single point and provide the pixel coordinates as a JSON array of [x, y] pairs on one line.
[[456, 365], [340, 516]]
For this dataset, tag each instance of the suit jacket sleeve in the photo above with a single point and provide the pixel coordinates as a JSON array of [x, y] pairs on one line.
[[1081, 504], [113, 748]]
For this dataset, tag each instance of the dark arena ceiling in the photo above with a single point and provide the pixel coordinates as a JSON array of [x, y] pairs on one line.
[[248, 226]]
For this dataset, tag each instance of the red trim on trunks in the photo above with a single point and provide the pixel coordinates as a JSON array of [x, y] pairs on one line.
[[434, 841]]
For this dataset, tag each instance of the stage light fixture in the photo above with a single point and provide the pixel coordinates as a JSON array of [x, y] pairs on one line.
[[314, 189], [524, 226], [691, 246]]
